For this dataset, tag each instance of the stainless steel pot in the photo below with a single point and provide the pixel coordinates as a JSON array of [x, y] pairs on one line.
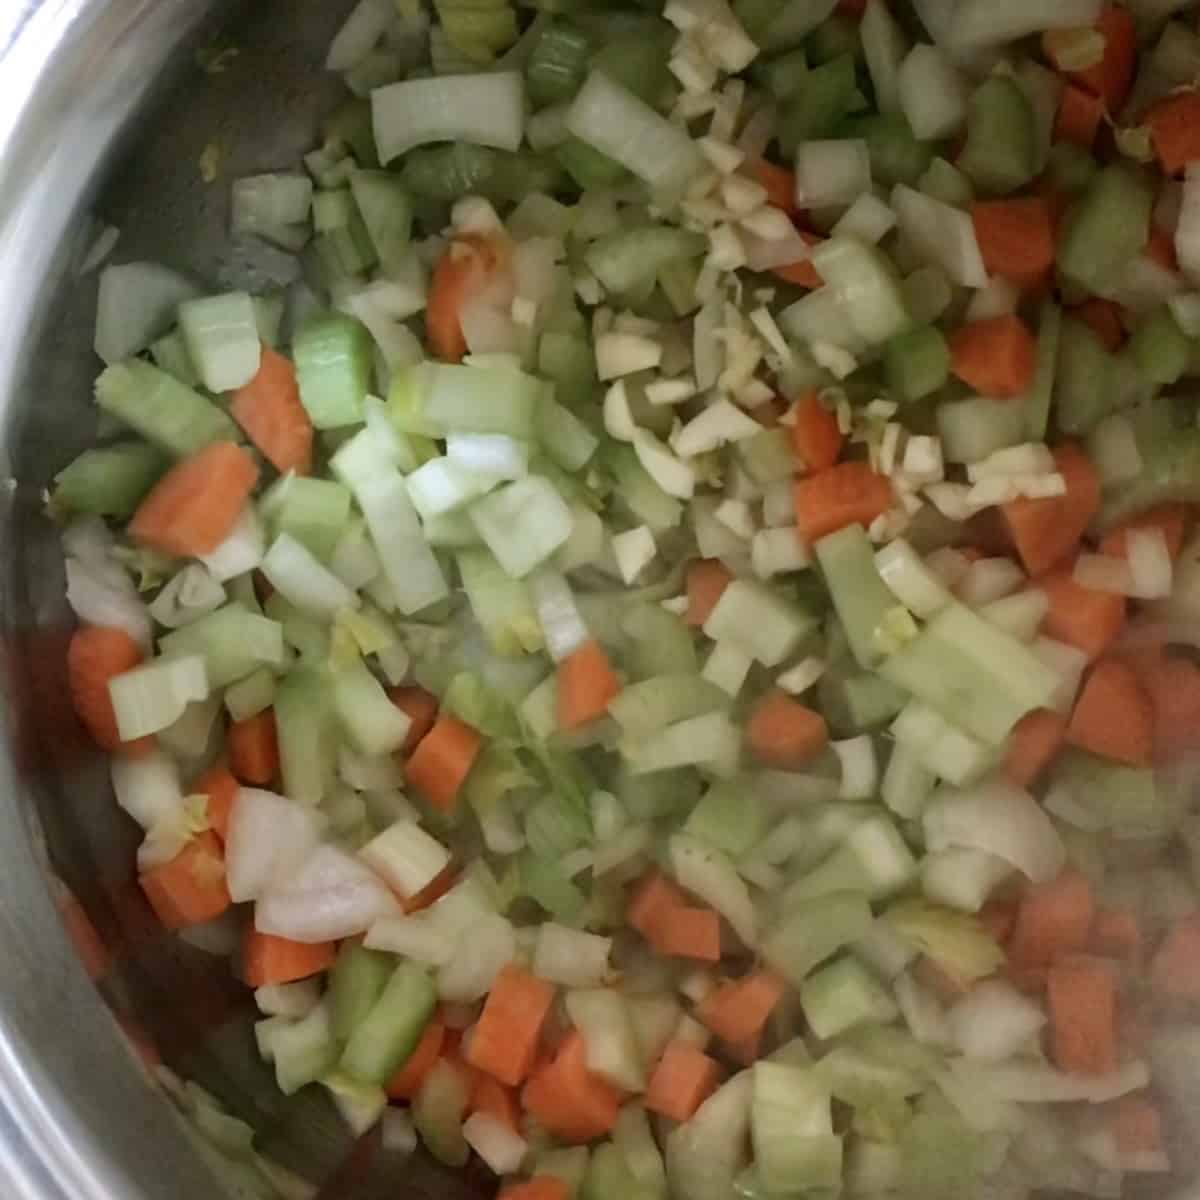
[[103, 108]]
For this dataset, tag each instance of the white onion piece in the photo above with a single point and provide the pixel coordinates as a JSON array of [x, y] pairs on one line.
[[1187, 232], [148, 788], [993, 1021], [331, 895], [97, 599], [269, 837], [483, 951]]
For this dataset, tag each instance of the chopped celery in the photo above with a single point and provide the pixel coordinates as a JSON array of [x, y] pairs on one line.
[[820, 100], [522, 523], [842, 995], [1159, 347], [896, 155], [972, 672], [660, 644], [917, 362], [646, 707], [313, 511], [1125, 801], [791, 1123], [252, 695], [947, 183], [544, 882], [1107, 229], [558, 62], [857, 701], [729, 816], [303, 723], [385, 1037], [232, 641], [767, 456], [760, 621], [438, 1113], [564, 437], [355, 984], [109, 481], [333, 369], [221, 333], [1169, 445], [867, 283], [386, 210], [609, 1175], [301, 1050], [710, 742], [872, 858], [972, 429], [861, 598], [1000, 151], [160, 408], [638, 493], [1036, 401], [436, 399], [1083, 391], [501, 604], [623, 259], [814, 931]]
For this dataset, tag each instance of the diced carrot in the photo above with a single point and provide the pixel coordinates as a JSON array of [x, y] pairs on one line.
[[652, 899], [1169, 519], [421, 708], [689, 932], [1174, 688], [738, 1010], [1035, 740], [441, 883], [194, 506], [1053, 919], [443, 759], [1046, 531], [816, 438], [254, 748], [1079, 116], [802, 273], [84, 936], [1081, 995], [1116, 933], [1113, 716], [586, 683], [466, 268], [569, 1101], [1160, 248], [1110, 78], [268, 959], [407, 1081], [784, 733], [996, 356], [999, 918], [1016, 239], [1030, 981], [540, 1187], [1174, 124], [707, 579], [268, 408], [493, 1098], [779, 182], [1137, 1125], [684, 1078], [845, 494], [190, 889], [221, 788], [1080, 616], [96, 654], [506, 1035], [1175, 968], [1103, 317]]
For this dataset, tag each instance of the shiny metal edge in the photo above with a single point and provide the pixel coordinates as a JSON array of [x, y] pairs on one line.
[[77, 1119]]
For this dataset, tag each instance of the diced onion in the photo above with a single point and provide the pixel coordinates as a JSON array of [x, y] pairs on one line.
[[1149, 563], [834, 171], [499, 1147], [993, 1021], [941, 235]]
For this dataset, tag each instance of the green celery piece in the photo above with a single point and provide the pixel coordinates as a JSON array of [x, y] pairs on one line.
[[853, 703], [896, 155], [164, 411], [544, 882], [624, 259], [658, 795], [587, 166], [659, 643], [818, 105], [1000, 151], [941, 1157], [566, 440], [835, 36], [501, 604], [1070, 168], [304, 722], [608, 1176], [729, 816], [233, 642], [306, 635], [973, 673], [170, 354], [515, 174], [972, 429], [478, 30], [817, 929], [860, 597], [558, 63], [567, 360], [1083, 392], [638, 493], [383, 1039], [947, 183], [1160, 348], [386, 210], [783, 76], [644, 708], [917, 363], [1036, 402], [333, 368], [767, 456], [1107, 229], [109, 481], [636, 61], [313, 511], [438, 1113], [842, 995], [756, 15], [443, 173], [355, 984], [1124, 801], [1169, 443]]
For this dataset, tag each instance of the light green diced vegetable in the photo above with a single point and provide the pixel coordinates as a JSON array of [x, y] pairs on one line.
[[862, 600], [755, 617], [232, 641], [333, 369], [109, 481], [805, 937], [791, 1124], [303, 722], [221, 333], [842, 995]]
